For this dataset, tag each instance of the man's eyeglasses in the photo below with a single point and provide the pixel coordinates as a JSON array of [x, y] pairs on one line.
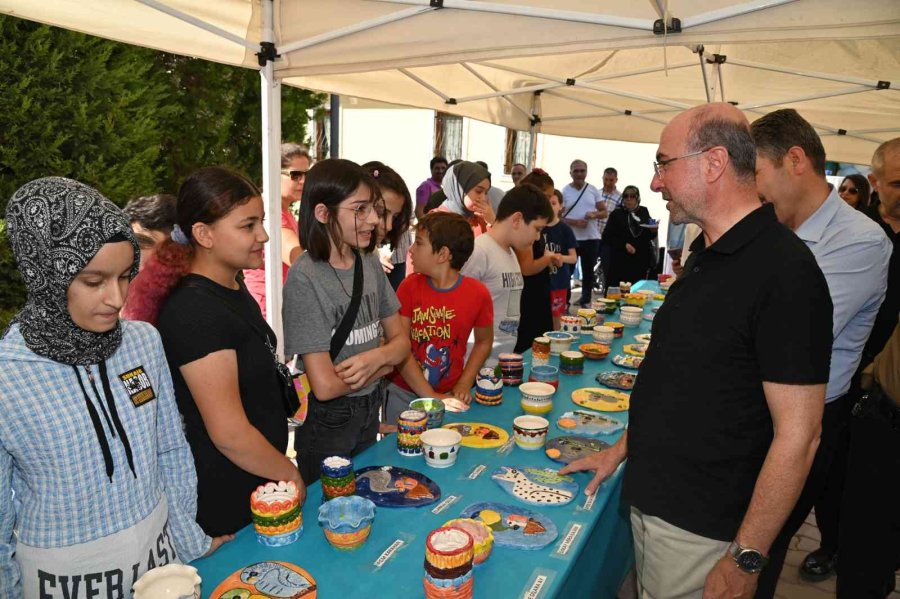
[[295, 175], [660, 165]]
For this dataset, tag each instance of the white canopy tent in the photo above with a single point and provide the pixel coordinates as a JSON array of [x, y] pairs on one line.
[[589, 68]]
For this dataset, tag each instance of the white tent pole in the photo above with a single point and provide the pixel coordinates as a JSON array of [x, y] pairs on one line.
[[682, 65], [612, 111], [533, 11], [355, 28], [730, 12], [510, 92], [801, 73], [721, 81], [172, 12], [491, 86], [839, 92], [425, 84], [828, 130], [710, 92], [616, 92], [271, 160]]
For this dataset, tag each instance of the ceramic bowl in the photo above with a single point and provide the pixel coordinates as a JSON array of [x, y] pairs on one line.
[[603, 334], [449, 548], [559, 341], [481, 533], [631, 315], [433, 407], [530, 432], [605, 306], [347, 521], [276, 513], [618, 329], [537, 398], [613, 293], [594, 351], [441, 447], [635, 299], [588, 318], [172, 581], [540, 345], [545, 373], [570, 324], [337, 467]]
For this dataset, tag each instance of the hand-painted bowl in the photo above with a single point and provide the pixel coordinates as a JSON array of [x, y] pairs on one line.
[[172, 581], [537, 398], [449, 548], [603, 334], [635, 299], [433, 407], [594, 351], [545, 373], [618, 329], [605, 306], [441, 447], [559, 341], [337, 467], [631, 315], [347, 521], [570, 324], [530, 432], [276, 513], [588, 318], [481, 533]]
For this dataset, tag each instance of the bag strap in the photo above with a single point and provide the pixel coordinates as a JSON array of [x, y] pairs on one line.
[[342, 332], [583, 189]]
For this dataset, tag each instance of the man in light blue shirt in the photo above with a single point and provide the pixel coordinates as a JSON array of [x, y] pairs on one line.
[[853, 253]]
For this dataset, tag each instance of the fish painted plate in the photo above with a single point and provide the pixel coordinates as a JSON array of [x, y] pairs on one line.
[[628, 361], [393, 486], [586, 422], [617, 379], [642, 338], [635, 349], [513, 526], [479, 435], [600, 399], [569, 448], [267, 580], [536, 486]]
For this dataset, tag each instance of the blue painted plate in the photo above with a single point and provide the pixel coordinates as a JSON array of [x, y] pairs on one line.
[[536, 486], [569, 448], [393, 486], [513, 526]]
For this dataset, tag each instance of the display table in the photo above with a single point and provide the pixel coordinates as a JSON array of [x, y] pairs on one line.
[[589, 559]]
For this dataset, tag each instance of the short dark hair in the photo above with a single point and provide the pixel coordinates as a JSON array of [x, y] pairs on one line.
[[446, 229], [538, 178], [610, 171], [515, 164], [527, 199], [777, 132], [387, 179], [734, 136], [154, 213], [329, 182], [436, 160], [290, 150]]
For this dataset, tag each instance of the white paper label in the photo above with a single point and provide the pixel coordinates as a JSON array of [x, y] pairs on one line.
[[535, 589], [506, 447], [389, 552], [568, 540], [476, 472], [589, 502], [450, 500]]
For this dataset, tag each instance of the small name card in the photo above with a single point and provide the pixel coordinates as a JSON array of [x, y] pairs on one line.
[[589, 502], [450, 500], [476, 471], [568, 540], [534, 591], [389, 552]]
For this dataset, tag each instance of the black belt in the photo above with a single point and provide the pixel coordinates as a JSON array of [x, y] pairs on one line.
[[878, 402]]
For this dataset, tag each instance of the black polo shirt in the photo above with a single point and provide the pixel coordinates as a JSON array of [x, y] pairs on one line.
[[886, 319], [752, 307]]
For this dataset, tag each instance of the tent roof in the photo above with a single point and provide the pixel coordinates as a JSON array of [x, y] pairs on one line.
[[600, 69]]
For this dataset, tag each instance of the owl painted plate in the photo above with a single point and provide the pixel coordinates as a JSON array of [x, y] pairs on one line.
[[600, 399], [269, 580]]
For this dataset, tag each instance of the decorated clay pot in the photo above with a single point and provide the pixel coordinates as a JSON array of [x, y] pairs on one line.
[[276, 512], [588, 318], [172, 581], [570, 324], [603, 334], [481, 533], [433, 407], [560, 341], [449, 548], [618, 329], [631, 315], [410, 425], [440, 447], [347, 521], [537, 398], [530, 432], [338, 479], [571, 362], [545, 374]]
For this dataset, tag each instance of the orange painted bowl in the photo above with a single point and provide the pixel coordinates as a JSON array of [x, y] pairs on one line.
[[482, 536], [347, 521], [449, 548], [455, 589], [594, 351]]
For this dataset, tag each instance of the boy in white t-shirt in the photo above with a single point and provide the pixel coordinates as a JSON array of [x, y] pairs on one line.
[[522, 214]]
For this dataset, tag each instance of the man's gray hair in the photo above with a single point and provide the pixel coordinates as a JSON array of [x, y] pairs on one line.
[[733, 135]]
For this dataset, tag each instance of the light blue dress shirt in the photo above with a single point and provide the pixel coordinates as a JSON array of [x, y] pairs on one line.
[[853, 253]]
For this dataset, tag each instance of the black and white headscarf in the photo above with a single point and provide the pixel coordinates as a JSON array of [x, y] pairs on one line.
[[55, 227]]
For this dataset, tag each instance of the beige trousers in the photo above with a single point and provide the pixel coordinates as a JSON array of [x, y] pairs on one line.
[[671, 563]]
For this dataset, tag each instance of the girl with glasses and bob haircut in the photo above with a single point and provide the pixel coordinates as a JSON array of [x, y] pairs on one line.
[[337, 302]]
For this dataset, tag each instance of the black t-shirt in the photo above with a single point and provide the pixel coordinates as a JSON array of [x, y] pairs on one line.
[[886, 319], [752, 307], [534, 306], [194, 323]]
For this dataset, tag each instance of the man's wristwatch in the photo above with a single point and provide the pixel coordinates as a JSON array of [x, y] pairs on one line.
[[748, 560]]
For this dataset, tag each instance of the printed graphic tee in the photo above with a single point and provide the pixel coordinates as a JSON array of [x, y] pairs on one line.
[[499, 270], [441, 321]]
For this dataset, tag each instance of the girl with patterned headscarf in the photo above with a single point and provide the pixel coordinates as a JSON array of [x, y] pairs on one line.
[[91, 446]]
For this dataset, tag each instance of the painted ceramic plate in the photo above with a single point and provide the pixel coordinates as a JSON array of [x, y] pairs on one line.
[[479, 435], [586, 422], [537, 486], [598, 398], [617, 379], [569, 448], [642, 338], [628, 361], [265, 580], [635, 349], [393, 486], [513, 526]]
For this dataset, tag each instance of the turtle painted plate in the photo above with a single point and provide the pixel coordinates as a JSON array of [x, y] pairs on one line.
[[537, 486], [267, 580], [514, 526], [642, 338], [587, 422], [479, 435], [600, 399], [617, 379], [628, 361], [393, 486], [569, 448], [635, 349]]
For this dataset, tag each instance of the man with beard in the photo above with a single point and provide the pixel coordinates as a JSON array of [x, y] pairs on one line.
[[726, 413]]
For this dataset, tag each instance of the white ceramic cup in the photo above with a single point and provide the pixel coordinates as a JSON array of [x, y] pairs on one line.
[[440, 447], [530, 432], [603, 334]]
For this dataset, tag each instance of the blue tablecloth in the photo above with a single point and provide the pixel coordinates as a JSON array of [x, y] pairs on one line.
[[594, 566]]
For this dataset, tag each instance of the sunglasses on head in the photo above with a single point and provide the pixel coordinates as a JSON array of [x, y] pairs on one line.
[[295, 175]]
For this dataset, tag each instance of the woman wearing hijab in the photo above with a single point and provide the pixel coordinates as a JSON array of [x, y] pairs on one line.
[[465, 187], [91, 446], [630, 241]]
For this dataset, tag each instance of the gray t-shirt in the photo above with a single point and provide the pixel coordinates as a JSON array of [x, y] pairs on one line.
[[315, 299]]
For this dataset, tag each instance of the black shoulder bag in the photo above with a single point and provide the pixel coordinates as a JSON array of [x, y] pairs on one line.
[[342, 332], [583, 189]]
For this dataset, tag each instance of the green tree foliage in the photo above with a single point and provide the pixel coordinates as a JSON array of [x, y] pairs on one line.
[[129, 121]]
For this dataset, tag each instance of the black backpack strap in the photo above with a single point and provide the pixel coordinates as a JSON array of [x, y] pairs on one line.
[[578, 199], [342, 332]]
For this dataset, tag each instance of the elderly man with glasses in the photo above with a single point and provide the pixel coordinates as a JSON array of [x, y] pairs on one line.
[[726, 412]]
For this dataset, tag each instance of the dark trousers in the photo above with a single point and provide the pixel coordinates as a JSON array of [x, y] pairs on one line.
[[588, 251], [870, 517], [606, 261], [834, 427], [344, 426]]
